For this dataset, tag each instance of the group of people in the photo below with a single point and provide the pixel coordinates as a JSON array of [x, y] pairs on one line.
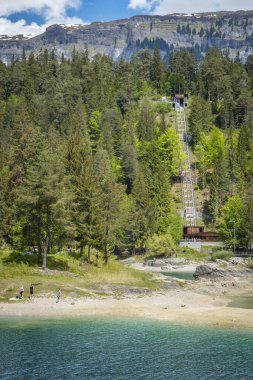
[[21, 292]]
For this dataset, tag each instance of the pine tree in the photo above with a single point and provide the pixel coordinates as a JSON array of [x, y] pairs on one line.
[[110, 201], [129, 156], [200, 119], [157, 69], [219, 188]]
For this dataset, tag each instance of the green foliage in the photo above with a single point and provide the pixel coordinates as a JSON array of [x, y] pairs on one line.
[[169, 151], [250, 264], [175, 225], [163, 107], [200, 119], [183, 67], [72, 275], [191, 254], [231, 225], [222, 255], [88, 153], [94, 127], [162, 245], [157, 69]]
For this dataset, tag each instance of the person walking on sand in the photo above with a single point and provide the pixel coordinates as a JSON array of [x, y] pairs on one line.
[[58, 296], [31, 291], [21, 291]]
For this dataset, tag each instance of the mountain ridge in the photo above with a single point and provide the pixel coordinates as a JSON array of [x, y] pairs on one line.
[[230, 31]]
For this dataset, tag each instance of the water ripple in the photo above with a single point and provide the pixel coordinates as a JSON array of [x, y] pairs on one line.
[[113, 349]]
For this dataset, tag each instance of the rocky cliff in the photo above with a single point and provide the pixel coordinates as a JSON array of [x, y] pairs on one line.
[[230, 31]]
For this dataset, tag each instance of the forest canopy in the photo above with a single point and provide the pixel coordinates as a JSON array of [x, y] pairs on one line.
[[88, 154]]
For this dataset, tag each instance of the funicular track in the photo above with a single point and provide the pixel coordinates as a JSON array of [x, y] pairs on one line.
[[187, 188]]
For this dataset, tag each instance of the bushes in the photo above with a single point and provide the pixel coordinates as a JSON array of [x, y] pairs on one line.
[[163, 107], [222, 255], [250, 264], [192, 254], [162, 245]]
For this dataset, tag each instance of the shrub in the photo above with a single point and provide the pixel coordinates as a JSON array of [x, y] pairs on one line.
[[192, 254], [163, 107], [250, 264], [162, 245], [222, 255]]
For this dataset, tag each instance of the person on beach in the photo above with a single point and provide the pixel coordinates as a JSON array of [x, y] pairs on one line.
[[58, 296], [21, 291], [31, 291]]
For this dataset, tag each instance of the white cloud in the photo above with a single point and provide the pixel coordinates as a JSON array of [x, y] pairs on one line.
[[46, 8], [52, 11], [142, 4], [194, 6], [20, 27]]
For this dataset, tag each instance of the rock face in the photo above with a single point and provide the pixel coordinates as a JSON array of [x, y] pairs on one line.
[[230, 31], [163, 263], [208, 271]]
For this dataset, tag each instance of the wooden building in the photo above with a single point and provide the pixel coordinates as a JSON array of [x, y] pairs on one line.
[[199, 233], [180, 99]]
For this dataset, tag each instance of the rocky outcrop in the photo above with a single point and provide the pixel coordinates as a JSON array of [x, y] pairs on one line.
[[163, 263], [208, 271], [230, 31]]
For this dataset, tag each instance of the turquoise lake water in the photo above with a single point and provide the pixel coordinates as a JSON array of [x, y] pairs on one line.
[[181, 275], [119, 349]]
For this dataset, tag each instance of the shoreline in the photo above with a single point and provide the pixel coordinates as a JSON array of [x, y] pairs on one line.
[[203, 302], [182, 307]]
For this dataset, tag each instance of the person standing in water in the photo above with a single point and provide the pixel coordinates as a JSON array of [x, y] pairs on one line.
[[58, 296], [21, 291]]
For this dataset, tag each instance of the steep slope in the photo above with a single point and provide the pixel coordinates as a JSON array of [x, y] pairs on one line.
[[229, 31]]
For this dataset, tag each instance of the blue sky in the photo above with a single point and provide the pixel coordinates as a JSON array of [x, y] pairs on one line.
[[33, 16]]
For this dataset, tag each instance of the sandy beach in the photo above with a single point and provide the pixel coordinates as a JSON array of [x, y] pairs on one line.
[[198, 303]]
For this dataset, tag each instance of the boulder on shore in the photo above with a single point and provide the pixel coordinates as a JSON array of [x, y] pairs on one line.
[[208, 271]]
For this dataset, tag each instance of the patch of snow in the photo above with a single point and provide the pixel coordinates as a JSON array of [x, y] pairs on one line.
[[76, 26], [3, 37], [182, 14]]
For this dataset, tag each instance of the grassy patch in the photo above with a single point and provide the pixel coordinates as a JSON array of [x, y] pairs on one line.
[[192, 254], [73, 276], [222, 255], [181, 284], [250, 264]]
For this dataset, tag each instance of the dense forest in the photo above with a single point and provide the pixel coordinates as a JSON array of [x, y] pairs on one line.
[[89, 154]]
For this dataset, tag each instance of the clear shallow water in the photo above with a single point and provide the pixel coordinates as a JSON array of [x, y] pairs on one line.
[[116, 349], [181, 275], [243, 302]]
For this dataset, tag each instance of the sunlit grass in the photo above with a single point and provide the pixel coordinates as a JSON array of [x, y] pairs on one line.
[[191, 254], [73, 276]]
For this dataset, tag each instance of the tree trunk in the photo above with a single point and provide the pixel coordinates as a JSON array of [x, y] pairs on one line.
[[106, 245], [106, 253], [88, 256], [82, 246], [46, 250], [40, 259], [47, 242]]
